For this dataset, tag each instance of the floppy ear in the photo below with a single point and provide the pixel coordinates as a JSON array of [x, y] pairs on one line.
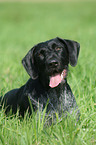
[[73, 50], [28, 63]]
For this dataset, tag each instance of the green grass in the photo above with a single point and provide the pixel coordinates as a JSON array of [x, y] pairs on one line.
[[21, 26]]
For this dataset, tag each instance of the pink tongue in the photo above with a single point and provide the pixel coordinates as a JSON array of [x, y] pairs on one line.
[[55, 81]]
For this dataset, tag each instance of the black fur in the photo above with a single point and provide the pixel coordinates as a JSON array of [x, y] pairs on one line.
[[42, 61]]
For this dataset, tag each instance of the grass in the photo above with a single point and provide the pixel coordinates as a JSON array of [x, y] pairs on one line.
[[21, 26]]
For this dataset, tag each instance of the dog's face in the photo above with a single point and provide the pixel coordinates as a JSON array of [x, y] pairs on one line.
[[49, 60]]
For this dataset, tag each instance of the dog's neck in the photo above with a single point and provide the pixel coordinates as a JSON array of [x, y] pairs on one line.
[[44, 81], [45, 84]]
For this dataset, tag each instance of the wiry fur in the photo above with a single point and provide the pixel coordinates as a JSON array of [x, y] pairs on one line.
[[42, 61]]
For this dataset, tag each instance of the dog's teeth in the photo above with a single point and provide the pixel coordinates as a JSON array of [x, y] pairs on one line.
[[62, 75]]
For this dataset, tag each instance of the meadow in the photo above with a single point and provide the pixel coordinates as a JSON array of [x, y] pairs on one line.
[[22, 25]]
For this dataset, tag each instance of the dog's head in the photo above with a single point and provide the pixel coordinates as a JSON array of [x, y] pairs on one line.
[[49, 60]]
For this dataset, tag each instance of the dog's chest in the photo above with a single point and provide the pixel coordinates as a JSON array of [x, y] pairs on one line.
[[60, 101], [57, 100]]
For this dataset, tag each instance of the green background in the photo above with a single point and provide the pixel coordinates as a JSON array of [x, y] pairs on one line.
[[24, 24]]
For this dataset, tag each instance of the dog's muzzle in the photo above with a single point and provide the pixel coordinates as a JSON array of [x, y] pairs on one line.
[[56, 75]]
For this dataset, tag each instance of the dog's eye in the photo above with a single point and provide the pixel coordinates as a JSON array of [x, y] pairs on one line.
[[58, 48], [41, 55]]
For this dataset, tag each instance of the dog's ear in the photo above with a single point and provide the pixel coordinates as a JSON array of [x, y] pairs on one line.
[[73, 48], [28, 63]]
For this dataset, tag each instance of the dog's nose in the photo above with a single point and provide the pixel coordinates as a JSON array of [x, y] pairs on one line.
[[53, 63]]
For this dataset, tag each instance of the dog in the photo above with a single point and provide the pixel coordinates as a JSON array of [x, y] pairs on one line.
[[47, 65]]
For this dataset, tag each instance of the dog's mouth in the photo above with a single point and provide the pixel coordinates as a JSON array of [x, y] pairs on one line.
[[57, 78]]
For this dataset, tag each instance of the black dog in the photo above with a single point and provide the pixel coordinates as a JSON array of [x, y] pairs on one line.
[[47, 65]]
